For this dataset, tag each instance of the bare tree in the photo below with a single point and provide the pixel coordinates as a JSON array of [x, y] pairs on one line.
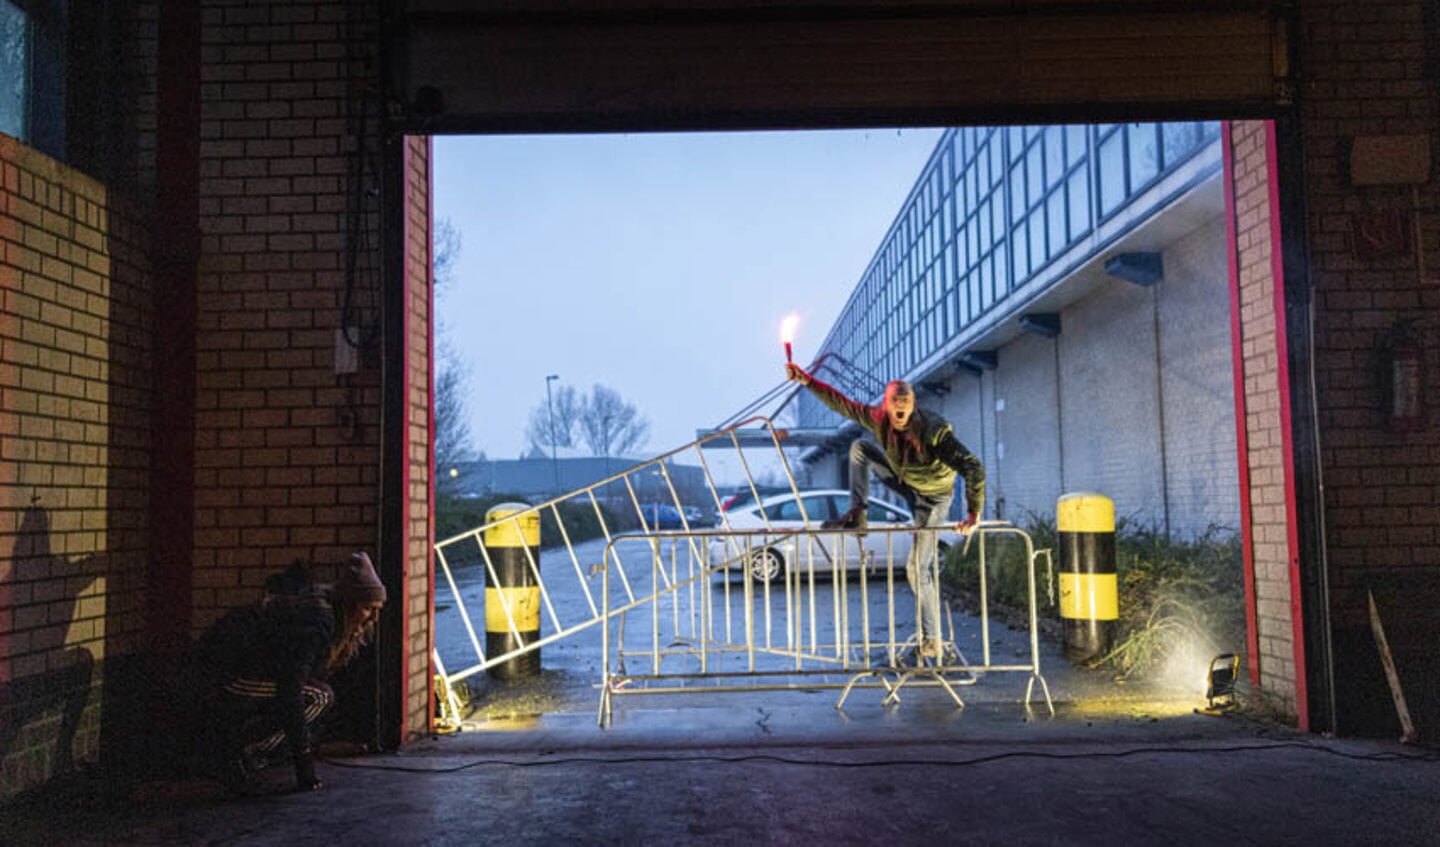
[[541, 432], [447, 252], [609, 425], [452, 433]]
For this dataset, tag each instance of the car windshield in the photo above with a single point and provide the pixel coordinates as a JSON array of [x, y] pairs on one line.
[[817, 508]]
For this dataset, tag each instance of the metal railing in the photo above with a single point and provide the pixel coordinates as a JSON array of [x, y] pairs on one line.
[[623, 506], [699, 633]]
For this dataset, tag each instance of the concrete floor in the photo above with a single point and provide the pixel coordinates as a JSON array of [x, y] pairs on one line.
[[798, 772]]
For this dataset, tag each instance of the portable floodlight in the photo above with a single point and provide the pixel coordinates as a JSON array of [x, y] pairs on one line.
[[1220, 683]]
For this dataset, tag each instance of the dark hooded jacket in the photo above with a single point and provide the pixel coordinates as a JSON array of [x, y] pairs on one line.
[[286, 640], [925, 456]]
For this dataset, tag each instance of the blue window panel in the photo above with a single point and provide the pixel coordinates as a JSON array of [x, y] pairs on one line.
[[984, 219], [1020, 242], [1017, 193], [1180, 140], [1016, 138], [982, 170], [967, 300], [1055, 218], [14, 69], [1001, 274], [1054, 155], [1075, 143], [1077, 190], [1144, 154], [1112, 173], [982, 280], [997, 164], [1037, 241], [1035, 175]]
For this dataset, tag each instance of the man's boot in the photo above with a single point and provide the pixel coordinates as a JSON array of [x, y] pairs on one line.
[[855, 518]]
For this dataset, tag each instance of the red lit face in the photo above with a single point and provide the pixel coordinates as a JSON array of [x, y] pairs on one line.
[[899, 407]]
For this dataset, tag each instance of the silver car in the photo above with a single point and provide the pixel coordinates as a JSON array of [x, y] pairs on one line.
[[767, 556]]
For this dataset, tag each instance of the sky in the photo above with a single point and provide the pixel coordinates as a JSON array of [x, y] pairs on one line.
[[659, 265]]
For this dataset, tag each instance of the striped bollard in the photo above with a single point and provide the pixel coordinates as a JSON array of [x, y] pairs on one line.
[[1089, 604], [512, 544]]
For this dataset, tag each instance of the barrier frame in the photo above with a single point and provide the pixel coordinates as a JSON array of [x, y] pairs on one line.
[[617, 681]]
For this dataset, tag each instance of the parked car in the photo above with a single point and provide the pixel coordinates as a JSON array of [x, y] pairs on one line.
[[744, 495], [663, 516], [769, 557]]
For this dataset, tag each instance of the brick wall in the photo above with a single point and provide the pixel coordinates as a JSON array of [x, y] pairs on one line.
[[74, 371], [420, 294], [1267, 461], [287, 448], [1368, 71]]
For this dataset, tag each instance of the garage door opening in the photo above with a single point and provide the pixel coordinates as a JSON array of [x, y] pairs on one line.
[[1062, 295]]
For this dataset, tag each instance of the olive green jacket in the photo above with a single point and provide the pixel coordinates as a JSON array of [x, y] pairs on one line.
[[925, 455]]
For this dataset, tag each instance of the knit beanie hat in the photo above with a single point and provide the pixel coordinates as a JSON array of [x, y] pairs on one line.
[[358, 581]]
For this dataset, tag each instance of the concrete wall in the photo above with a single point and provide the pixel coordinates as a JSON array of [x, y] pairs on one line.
[[1105, 407], [1110, 400], [1026, 465], [1198, 385], [1134, 399]]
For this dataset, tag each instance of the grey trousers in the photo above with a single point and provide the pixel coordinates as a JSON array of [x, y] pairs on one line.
[[929, 510]]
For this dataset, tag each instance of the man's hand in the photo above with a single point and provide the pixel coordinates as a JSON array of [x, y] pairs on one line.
[[968, 525], [795, 373]]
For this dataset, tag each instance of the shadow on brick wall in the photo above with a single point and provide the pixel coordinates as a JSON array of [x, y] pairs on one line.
[[43, 588]]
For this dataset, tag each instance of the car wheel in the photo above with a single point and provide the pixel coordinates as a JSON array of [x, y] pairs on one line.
[[766, 564]]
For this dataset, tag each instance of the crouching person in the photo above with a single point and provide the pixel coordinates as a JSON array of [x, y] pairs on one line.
[[263, 670]]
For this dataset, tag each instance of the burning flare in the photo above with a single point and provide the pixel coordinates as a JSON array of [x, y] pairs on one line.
[[787, 332]]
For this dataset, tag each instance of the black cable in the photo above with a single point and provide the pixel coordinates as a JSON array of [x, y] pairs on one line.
[[782, 760]]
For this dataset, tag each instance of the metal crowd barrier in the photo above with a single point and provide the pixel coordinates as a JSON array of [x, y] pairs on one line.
[[633, 493], [698, 633]]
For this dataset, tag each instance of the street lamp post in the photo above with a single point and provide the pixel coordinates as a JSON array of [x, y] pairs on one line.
[[554, 457]]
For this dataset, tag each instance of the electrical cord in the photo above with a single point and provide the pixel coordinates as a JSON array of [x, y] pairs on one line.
[[936, 763]]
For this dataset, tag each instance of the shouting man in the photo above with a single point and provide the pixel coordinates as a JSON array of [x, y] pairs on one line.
[[918, 458]]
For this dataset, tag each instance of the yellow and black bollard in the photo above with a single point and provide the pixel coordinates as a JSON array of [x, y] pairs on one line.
[[512, 544], [1089, 603]]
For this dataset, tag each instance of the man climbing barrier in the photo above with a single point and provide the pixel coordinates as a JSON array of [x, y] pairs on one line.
[[917, 457]]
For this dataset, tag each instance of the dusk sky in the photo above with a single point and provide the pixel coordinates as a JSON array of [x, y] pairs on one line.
[[659, 265]]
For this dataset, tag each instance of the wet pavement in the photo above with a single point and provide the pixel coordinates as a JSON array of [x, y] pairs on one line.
[[1116, 763], [799, 772]]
